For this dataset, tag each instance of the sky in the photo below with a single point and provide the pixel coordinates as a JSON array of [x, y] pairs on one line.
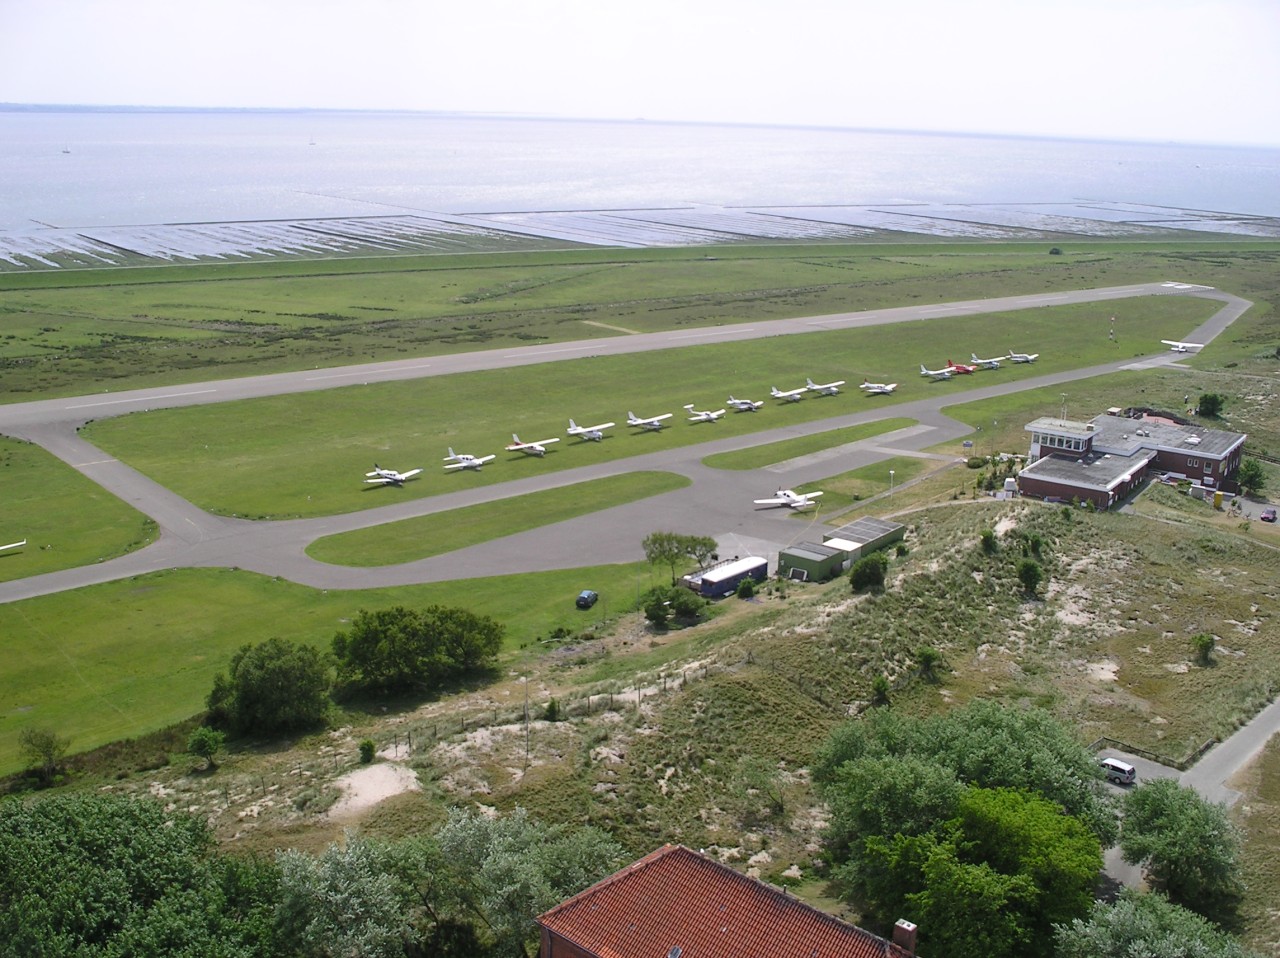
[[1185, 71]]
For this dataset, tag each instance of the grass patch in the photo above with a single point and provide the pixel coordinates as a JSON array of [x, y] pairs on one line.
[[67, 520], [758, 457], [171, 632], [418, 538]]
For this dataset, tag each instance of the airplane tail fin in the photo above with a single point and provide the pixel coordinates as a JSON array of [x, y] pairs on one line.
[[516, 439], [572, 425], [809, 382], [974, 358], [452, 454], [923, 371]]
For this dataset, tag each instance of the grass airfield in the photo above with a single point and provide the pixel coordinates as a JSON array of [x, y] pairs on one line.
[[305, 455]]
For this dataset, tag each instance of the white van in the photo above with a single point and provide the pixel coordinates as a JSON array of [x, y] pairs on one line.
[[1122, 773]]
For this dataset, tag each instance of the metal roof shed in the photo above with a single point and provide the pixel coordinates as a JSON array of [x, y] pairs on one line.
[[869, 533], [810, 562]]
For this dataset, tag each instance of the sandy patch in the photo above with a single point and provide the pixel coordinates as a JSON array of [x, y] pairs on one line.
[[366, 787], [1104, 671]]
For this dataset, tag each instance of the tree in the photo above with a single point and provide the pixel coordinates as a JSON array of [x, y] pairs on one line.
[[664, 548], [1030, 575], [1251, 477], [1143, 924], [1187, 846], [43, 749], [97, 874], [506, 871], [1210, 405], [401, 649], [345, 901], [928, 658], [657, 610], [1202, 644], [272, 687], [205, 743], [989, 544], [880, 689], [868, 573], [985, 744]]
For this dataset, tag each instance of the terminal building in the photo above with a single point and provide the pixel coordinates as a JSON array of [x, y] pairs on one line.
[[1105, 459]]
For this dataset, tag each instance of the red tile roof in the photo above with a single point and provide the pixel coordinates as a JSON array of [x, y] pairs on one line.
[[677, 897]]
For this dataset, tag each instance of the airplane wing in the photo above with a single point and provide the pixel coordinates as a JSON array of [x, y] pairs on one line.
[[481, 460], [411, 473], [456, 465], [380, 481], [771, 502]]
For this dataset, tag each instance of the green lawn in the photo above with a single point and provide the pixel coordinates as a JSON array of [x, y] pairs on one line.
[[67, 520], [757, 457], [397, 542], [117, 660]]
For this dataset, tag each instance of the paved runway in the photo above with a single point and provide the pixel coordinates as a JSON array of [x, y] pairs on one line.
[[717, 503]]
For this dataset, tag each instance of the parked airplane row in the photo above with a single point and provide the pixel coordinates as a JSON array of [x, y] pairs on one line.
[[953, 368]]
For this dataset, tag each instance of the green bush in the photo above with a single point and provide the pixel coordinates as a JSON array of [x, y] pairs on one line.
[[868, 573], [367, 749]]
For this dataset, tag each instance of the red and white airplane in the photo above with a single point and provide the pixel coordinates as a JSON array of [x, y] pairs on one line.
[[791, 498], [389, 477], [594, 433], [961, 368], [538, 448], [460, 460]]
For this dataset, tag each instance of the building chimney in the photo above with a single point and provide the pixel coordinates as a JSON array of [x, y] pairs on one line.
[[904, 935]]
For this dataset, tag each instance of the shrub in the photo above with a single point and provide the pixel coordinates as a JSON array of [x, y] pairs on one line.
[[1030, 575], [989, 541], [746, 588], [868, 573], [367, 750], [1203, 644]]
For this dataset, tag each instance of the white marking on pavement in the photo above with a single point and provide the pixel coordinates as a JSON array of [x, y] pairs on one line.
[[369, 372], [113, 402]]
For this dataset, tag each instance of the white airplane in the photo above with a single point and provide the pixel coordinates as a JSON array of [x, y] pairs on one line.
[[538, 448], [789, 497], [992, 363], [745, 405], [1177, 347], [594, 433], [944, 373], [389, 477], [790, 395], [653, 422], [704, 415], [460, 460], [877, 389], [825, 389], [1023, 357], [14, 545]]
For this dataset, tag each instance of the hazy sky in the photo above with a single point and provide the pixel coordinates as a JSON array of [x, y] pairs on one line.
[[1193, 71]]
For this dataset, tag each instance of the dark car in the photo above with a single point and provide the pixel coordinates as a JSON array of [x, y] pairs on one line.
[[586, 599], [1268, 514]]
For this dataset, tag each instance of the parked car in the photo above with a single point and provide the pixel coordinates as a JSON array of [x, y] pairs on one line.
[[1122, 773], [586, 599], [1268, 514]]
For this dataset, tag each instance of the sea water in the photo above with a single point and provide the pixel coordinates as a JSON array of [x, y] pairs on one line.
[[96, 168]]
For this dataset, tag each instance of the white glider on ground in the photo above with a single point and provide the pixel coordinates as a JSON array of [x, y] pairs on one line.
[[824, 389], [790, 395], [389, 477], [791, 498], [652, 422], [594, 433], [745, 405], [877, 389], [703, 415], [460, 460], [538, 448]]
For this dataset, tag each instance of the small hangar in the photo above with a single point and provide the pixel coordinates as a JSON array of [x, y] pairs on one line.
[[817, 562]]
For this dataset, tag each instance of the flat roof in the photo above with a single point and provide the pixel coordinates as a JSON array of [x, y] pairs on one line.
[[1116, 434], [730, 569], [811, 550], [1061, 427], [1088, 472], [866, 529]]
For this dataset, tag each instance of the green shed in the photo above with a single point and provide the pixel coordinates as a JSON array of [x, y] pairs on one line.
[[810, 562]]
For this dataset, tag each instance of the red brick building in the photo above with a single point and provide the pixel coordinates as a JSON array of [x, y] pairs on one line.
[[676, 903], [1107, 458]]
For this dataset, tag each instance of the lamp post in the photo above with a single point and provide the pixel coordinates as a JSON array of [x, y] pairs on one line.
[[891, 482]]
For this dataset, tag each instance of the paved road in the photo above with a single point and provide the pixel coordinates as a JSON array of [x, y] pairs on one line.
[[190, 537]]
